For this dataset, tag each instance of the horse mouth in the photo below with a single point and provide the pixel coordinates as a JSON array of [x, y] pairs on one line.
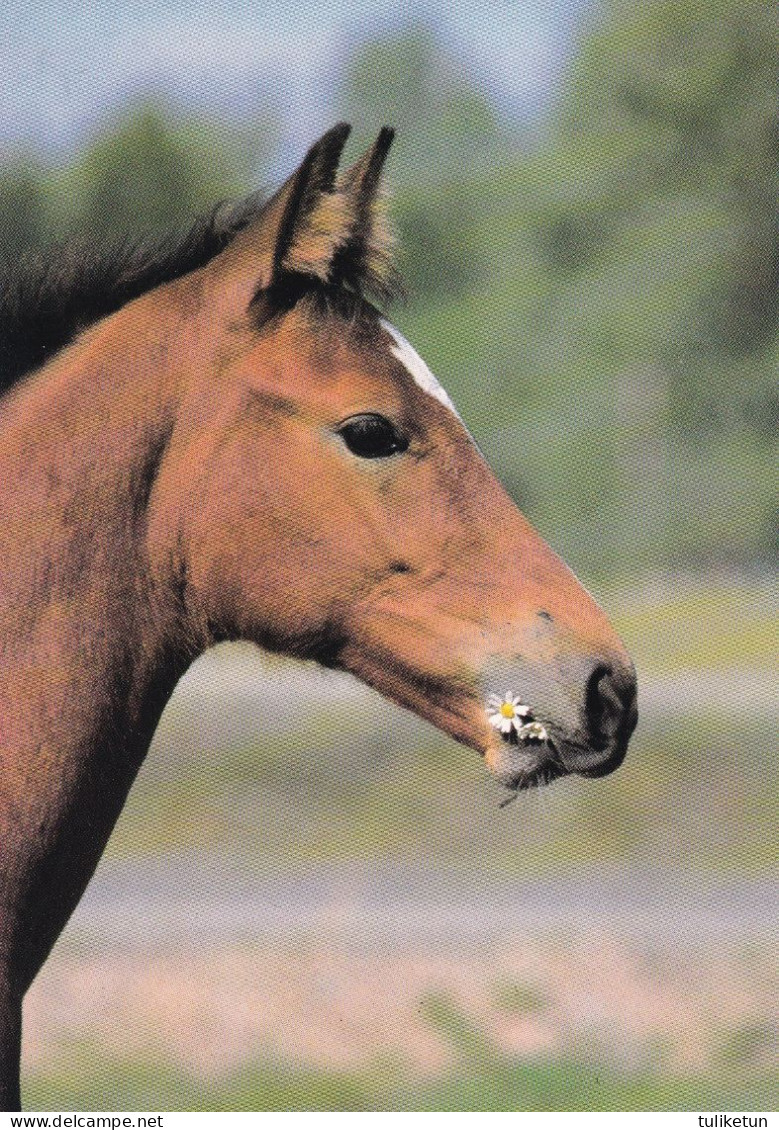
[[531, 759], [520, 764], [545, 772], [590, 763], [524, 752], [520, 750], [524, 757]]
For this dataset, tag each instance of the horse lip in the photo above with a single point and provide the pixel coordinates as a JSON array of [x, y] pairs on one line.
[[562, 754], [586, 761], [603, 768], [520, 765]]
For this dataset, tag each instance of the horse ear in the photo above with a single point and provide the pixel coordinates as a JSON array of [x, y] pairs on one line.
[[314, 220], [298, 231], [364, 260]]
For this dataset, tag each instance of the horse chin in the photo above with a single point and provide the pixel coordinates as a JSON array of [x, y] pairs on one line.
[[521, 766]]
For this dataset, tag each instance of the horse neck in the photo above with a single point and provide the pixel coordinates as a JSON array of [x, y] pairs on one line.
[[89, 651]]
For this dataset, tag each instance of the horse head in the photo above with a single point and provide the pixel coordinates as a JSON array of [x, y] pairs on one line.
[[321, 496]]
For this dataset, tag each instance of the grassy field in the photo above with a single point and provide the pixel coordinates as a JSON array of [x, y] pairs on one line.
[[534, 1026], [699, 791], [722, 625], [492, 1083], [478, 1076]]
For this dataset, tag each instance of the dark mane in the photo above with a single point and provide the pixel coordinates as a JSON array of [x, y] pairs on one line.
[[49, 297]]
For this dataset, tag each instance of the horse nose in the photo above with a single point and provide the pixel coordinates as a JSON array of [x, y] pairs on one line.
[[609, 718], [611, 713]]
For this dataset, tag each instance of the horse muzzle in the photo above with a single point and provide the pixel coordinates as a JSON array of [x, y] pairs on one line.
[[549, 738]]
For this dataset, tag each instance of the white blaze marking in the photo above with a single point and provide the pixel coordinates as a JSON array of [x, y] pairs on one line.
[[410, 359]]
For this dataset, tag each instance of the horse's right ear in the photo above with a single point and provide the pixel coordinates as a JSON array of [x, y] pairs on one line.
[[298, 231]]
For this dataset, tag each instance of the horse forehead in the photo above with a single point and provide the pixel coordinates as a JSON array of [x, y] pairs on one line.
[[404, 351]]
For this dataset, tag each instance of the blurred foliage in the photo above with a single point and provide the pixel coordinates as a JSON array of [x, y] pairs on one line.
[[604, 307], [446, 123], [683, 99], [24, 221], [154, 170], [153, 173], [409, 80], [440, 250], [484, 1082]]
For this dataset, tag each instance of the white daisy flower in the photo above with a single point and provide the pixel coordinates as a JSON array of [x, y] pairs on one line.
[[507, 713], [533, 732]]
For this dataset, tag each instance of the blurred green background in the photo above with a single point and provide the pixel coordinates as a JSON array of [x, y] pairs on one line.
[[596, 282]]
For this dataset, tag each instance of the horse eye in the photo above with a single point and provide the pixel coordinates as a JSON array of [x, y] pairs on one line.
[[372, 437]]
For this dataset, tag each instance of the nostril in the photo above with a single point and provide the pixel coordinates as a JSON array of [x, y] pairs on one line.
[[608, 717], [609, 704], [598, 704]]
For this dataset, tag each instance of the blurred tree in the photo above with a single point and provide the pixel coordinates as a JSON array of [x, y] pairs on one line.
[[409, 80], [450, 131], [24, 216], [439, 252], [673, 111], [154, 171], [150, 173]]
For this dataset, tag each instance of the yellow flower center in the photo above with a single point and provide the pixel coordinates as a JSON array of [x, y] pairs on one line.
[[507, 710]]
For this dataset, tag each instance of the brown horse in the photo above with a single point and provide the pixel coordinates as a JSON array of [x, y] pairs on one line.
[[224, 439]]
